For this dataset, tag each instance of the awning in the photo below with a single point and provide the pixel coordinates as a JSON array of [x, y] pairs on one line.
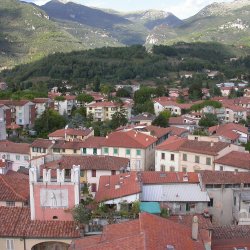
[[150, 207]]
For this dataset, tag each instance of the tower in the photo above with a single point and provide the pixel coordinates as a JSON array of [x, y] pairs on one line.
[[52, 195]]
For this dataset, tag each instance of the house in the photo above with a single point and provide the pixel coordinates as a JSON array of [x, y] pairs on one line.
[[40, 147], [138, 147], [92, 167], [233, 161], [71, 134], [163, 103], [18, 153], [42, 104], [143, 118], [231, 237], [167, 154], [230, 132], [5, 114], [67, 147], [14, 191], [235, 113], [65, 105], [23, 112], [186, 122], [92, 145], [149, 232], [103, 111], [221, 187], [3, 134]]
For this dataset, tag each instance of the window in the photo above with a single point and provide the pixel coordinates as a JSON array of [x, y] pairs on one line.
[[221, 168], [18, 157], [93, 173], [138, 152], [106, 150], [10, 203], [75, 151], [63, 150], [184, 169], [113, 172], [127, 151], [236, 170], [115, 151], [93, 187], [94, 151], [187, 207], [56, 150], [8, 157], [172, 169], [208, 161], [82, 173], [234, 200], [197, 159], [55, 218], [84, 151], [184, 157], [163, 156], [26, 158], [163, 168], [172, 157], [67, 173], [34, 149], [210, 203], [10, 244]]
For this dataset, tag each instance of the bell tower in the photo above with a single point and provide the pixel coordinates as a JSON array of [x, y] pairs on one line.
[[53, 195]]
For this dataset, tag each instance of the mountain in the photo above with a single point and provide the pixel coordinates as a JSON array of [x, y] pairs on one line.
[[227, 23], [82, 14]]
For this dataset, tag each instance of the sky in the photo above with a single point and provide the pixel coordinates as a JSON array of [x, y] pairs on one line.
[[180, 8]]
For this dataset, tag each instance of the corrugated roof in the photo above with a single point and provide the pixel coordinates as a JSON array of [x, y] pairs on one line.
[[174, 193]]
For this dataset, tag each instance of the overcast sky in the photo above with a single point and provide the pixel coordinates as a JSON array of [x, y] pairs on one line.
[[180, 8]]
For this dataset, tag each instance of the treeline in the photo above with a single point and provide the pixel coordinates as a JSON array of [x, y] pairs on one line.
[[113, 65]]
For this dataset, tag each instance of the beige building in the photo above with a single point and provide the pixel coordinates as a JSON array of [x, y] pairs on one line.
[[235, 113], [138, 147], [103, 111]]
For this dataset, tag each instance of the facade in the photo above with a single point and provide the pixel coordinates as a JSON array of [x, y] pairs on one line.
[[40, 147], [144, 118], [235, 113], [136, 146], [65, 106], [103, 111], [42, 104], [17, 153], [92, 145]]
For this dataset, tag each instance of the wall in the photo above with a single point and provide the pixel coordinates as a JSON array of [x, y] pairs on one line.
[[16, 163], [229, 168], [167, 161]]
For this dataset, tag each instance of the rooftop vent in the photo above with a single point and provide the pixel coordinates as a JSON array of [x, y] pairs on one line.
[[185, 177], [170, 247], [117, 186], [163, 175], [107, 185]]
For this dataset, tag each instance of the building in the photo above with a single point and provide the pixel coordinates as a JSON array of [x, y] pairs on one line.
[[92, 145], [185, 122], [167, 154], [221, 187], [103, 111], [65, 105], [17, 153], [3, 134], [40, 147], [92, 167], [143, 118], [138, 147], [149, 232], [233, 161], [71, 134], [42, 104], [23, 112], [235, 113]]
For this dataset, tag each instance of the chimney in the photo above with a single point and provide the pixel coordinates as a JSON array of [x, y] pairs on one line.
[[212, 144], [195, 228]]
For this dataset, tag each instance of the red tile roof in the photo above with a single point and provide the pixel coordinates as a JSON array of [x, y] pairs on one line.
[[61, 144], [129, 139], [203, 147], [116, 186], [181, 120], [177, 131], [228, 126], [173, 143], [42, 143], [70, 131], [12, 147], [223, 177], [89, 162], [14, 187], [41, 100], [93, 142], [16, 222], [149, 232], [157, 131], [231, 237], [103, 104], [164, 101], [15, 103], [235, 159], [149, 177]]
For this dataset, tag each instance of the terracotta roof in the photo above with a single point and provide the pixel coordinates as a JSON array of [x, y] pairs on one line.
[[143, 117], [223, 177], [149, 177], [89, 162], [41, 100], [177, 131], [103, 104], [14, 187], [235, 108], [16, 222], [219, 129], [164, 101], [13, 126], [203, 147], [12, 147], [149, 232], [61, 144], [15, 103], [231, 237], [129, 139], [157, 131], [42, 143], [93, 142], [235, 159], [70, 131], [116, 186], [180, 120], [173, 143], [70, 97]]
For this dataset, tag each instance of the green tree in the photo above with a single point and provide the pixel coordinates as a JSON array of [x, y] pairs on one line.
[[81, 214], [84, 98], [123, 92], [162, 119], [49, 121], [60, 98], [215, 91], [119, 118], [247, 146], [208, 120], [195, 92]]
